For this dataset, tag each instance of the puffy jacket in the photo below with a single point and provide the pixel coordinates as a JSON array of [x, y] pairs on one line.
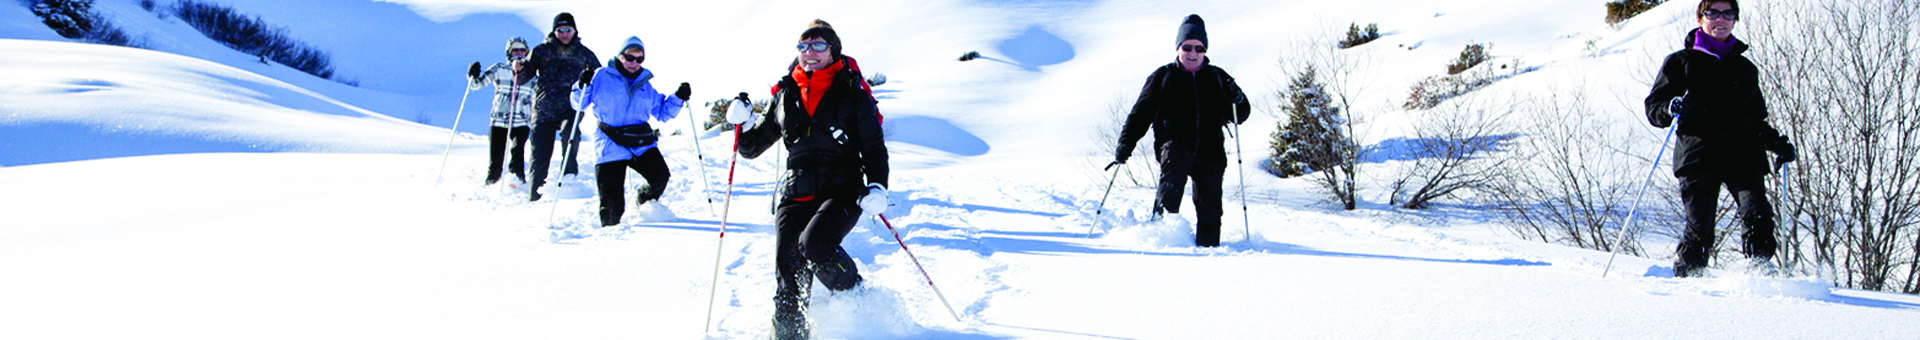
[[512, 98], [1724, 130], [557, 66], [620, 100], [1187, 111], [830, 150]]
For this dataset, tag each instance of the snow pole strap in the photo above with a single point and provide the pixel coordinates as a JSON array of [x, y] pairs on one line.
[[916, 264]]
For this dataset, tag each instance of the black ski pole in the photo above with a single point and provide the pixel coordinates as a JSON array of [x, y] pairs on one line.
[[1101, 209]]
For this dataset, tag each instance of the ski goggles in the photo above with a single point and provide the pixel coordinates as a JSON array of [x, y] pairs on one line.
[[816, 47], [1193, 48], [1731, 14]]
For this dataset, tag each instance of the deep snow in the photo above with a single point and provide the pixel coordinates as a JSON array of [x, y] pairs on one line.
[[196, 235]]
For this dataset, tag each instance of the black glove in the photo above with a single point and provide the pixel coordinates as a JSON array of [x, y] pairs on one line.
[[473, 71], [1783, 151], [685, 92], [743, 98], [586, 78], [1114, 164]]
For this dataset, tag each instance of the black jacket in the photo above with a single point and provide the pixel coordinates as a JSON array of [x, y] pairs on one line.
[[830, 151], [1724, 130], [1186, 111], [557, 66]]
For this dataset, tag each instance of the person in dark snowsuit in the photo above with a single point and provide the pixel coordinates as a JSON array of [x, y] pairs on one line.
[[623, 100], [1187, 103], [827, 118], [1713, 92], [557, 65], [512, 109]]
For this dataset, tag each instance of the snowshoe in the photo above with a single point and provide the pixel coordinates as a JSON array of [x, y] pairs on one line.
[[838, 272]]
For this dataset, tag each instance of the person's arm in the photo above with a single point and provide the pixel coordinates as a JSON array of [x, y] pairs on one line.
[[1242, 108], [758, 140], [870, 140], [1670, 83], [1145, 110], [666, 106]]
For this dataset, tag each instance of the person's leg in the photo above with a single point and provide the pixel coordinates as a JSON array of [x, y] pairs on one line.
[[1699, 195], [1756, 213], [542, 155], [653, 167], [1206, 203], [518, 163], [821, 243], [496, 142], [612, 179], [1175, 162], [790, 298], [572, 136]]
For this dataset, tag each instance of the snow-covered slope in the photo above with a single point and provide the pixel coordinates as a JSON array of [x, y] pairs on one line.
[[994, 183]]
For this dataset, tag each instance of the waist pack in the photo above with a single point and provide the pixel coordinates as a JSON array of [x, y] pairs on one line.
[[631, 136]]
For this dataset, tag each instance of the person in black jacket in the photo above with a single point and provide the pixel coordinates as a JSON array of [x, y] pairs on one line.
[[557, 64], [825, 115], [1187, 103], [1713, 92]]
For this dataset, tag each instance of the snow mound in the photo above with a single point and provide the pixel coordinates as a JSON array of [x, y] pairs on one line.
[[1172, 231], [1801, 287], [868, 311]]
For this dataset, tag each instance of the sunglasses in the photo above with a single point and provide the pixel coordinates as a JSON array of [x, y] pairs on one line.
[[1193, 48], [633, 58], [1731, 14], [568, 29], [816, 47]]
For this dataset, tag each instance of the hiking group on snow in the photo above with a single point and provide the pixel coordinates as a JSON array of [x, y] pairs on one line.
[[823, 112]]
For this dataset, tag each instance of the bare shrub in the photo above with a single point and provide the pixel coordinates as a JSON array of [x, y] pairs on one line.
[[1455, 148]]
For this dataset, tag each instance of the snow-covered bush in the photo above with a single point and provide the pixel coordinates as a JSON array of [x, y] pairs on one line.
[[74, 19], [1471, 56], [252, 36], [1621, 10], [1357, 36]]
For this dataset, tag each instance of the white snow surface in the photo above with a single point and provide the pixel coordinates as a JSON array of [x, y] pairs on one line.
[[192, 192]]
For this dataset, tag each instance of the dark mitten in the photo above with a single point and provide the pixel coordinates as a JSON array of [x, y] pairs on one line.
[[473, 71], [586, 78], [685, 92]]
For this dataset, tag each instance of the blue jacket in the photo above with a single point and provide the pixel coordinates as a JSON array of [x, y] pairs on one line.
[[616, 100]]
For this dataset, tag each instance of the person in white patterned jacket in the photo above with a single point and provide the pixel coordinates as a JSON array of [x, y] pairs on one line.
[[512, 110]]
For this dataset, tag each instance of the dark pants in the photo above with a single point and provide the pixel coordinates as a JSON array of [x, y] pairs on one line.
[[543, 136], [612, 177], [1177, 165], [1701, 195], [497, 146], [810, 232]]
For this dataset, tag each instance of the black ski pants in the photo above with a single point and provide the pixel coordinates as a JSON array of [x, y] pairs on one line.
[[497, 139], [611, 177], [1177, 165], [1701, 194], [543, 138], [810, 233]]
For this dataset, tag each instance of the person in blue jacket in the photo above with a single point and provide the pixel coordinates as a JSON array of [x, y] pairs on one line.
[[621, 96]]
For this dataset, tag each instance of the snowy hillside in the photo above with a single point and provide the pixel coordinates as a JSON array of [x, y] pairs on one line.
[[192, 191]]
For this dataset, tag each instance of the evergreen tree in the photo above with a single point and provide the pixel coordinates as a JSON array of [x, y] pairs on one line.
[[1314, 134]]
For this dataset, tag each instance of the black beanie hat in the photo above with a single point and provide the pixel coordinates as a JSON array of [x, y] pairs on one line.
[[820, 28], [1193, 28], [564, 19]]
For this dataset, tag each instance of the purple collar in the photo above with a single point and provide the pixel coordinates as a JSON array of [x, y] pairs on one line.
[[1706, 43]]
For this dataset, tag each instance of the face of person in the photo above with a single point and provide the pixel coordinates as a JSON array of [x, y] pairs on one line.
[[813, 56], [565, 34], [1191, 53], [630, 60], [1717, 21]]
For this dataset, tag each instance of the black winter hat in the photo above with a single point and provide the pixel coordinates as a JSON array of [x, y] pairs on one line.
[[820, 29], [564, 19], [1193, 28]]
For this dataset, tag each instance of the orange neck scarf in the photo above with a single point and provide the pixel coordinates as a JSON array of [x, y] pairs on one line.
[[814, 85]]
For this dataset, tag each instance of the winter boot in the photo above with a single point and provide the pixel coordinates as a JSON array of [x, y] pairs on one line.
[[1681, 269], [1761, 266], [645, 194], [790, 311], [838, 271]]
